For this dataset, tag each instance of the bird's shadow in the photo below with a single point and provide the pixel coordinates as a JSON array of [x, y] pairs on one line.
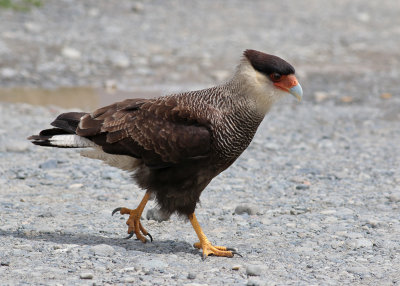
[[158, 247]]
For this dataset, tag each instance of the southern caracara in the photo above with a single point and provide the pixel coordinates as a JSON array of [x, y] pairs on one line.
[[175, 145]]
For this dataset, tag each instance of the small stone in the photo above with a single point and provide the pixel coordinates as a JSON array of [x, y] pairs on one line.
[[33, 27], [46, 214], [75, 186], [321, 96], [86, 275], [394, 198], [330, 219], [8, 73], [137, 7], [110, 85], [346, 99], [102, 250], [363, 17], [71, 53], [17, 146], [302, 187], [254, 282], [386, 95], [241, 209], [120, 60], [363, 242], [49, 164], [157, 215], [154, 264], [94, 12], [5, 263], [254, 270], [191, 275], [21, 175], [236, 267]]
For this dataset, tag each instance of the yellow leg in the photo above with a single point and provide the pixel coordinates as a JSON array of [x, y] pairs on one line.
[[133, 222], [208, 248]]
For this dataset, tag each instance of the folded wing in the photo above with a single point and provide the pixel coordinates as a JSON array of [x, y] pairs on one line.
[[160, 131]]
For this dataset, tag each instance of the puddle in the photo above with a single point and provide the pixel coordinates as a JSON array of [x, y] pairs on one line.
[[83, 98]]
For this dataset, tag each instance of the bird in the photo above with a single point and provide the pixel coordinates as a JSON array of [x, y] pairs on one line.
[[174, 145]]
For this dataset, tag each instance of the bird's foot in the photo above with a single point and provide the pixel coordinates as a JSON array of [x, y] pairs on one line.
[[134, 224], [209, 249]]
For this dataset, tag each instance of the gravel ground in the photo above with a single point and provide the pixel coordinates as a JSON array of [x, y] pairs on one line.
[[315, 200]]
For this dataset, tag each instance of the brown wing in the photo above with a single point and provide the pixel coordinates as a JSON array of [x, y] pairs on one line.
[[159, 131]]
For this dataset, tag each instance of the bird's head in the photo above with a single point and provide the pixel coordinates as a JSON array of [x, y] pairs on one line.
[[269, 77]]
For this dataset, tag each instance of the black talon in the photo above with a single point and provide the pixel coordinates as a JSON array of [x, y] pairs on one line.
[[114, 211], [130, 235], [234, 251], [149, 235]]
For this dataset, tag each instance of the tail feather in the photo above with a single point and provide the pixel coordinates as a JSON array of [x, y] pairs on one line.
[[68, 121], [63, 136]]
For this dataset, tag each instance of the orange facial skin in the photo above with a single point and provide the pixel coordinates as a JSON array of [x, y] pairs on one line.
[[285, 82]]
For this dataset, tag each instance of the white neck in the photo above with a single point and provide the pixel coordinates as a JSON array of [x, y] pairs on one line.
[[259, 90]]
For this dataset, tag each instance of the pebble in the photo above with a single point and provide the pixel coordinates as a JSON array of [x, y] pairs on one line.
[[86, 275], [8, 73], [395, 198], [191, 275], [49, 164], [120, 60], [71, 53], [242, 209], [154, 264], [102, 250], [255, 270], [236, 267], [5, 263], [18, 146], [302, 187], [363, 242], [255, 282], [320, 96]]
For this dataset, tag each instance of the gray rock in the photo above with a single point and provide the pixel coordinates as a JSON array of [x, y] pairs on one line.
[[191, 275], [8, 73], [120, 60], [395, 198], [253, 281], [241, 209], [71, 53], [102, 250], [86, 275], [255, 270], [363, 242], [49, 164], [17, 146], [302, 187], [153, 264], [5, 263]]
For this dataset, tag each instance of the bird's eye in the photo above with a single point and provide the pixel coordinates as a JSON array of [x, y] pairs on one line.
[[275, 76]]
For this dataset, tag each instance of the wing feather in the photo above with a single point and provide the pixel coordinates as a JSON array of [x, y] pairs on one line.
[[158, 131]]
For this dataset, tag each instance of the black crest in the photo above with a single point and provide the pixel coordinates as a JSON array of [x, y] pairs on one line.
[[268, 64]]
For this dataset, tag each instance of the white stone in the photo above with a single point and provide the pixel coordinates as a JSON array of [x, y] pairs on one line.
[[71, 53]]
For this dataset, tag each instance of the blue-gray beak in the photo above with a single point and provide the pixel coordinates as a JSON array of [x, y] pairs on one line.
[[297, 91]]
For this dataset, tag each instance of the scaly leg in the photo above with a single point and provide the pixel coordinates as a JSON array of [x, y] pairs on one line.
[[133, 222], [205, 244]]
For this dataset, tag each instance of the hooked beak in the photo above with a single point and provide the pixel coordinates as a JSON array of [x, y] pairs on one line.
[[297, 91]]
